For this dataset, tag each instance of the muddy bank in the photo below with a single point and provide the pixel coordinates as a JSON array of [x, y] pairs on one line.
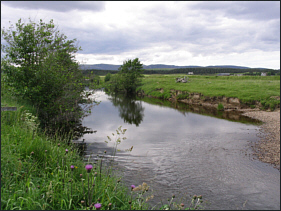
[[229, 103], [268, 148]]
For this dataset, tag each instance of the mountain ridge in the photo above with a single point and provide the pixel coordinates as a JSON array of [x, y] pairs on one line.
[[158, 66]]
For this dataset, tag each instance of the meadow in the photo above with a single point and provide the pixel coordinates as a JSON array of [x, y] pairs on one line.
[[248, 89]]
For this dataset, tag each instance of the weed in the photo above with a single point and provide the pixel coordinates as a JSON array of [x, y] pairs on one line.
[[220, 107]]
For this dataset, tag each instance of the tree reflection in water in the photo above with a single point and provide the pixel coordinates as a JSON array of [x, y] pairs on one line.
[[129, 108]]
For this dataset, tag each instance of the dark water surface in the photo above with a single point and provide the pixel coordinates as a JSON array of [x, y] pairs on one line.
[[176, 151]]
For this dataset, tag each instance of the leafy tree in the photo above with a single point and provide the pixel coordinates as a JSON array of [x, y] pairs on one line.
[[41, 67], [131, 72], [128, 77], [107, 77]]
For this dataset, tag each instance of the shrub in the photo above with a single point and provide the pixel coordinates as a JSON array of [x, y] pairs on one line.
[[39, 66], [220, 107], [107, 77]]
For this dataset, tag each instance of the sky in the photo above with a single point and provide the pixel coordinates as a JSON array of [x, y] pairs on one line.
[[203, 33]]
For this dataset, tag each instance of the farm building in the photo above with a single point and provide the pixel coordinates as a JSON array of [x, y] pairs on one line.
[[223, 74], [190, 73], [263, 74]]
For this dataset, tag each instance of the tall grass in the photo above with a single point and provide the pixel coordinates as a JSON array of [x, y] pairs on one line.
[[42, 173]]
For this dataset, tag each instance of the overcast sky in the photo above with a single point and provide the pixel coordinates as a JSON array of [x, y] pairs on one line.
[[244, 33]]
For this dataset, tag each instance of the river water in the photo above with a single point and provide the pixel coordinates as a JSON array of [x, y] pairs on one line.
[[184, 151]]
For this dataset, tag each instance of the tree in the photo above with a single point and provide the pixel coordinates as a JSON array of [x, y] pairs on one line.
[[107, 77], [131, 72], [41, 67], [128, 78]]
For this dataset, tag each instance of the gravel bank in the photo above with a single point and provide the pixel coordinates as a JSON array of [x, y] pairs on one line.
[[268, 148]]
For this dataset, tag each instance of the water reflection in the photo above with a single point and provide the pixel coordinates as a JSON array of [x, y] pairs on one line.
[[184, 109], [130, 110], [178, 150]]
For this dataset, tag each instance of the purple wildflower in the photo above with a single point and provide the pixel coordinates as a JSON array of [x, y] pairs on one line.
[[97, 206], [72, 167], [66, 151], [88, 168], [132, 187]]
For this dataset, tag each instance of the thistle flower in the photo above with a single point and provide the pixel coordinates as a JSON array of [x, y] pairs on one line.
[[66, 151], [72, 167], [97, 206], [32, 153], [81, 175], [58, 145], [88, 168], [132, 187], [46, 151]]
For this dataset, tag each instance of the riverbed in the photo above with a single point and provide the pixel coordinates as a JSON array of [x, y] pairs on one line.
[[179, 151]]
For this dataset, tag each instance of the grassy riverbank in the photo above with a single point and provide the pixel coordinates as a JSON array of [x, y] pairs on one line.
[[39, 173], [247, 89]]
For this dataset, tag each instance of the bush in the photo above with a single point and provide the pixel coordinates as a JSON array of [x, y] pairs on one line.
[[39, 66], [220, 107], [128, 78], [107, 77]]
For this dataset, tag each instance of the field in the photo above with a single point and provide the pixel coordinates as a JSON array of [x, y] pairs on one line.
[[266, 89]]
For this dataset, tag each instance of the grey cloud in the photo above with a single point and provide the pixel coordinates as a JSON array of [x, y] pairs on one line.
[[258, 10], [58, 6]]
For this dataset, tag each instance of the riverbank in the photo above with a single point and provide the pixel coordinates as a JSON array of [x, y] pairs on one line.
[[268, 148], [43, 173], [251, 95], [235, 92]]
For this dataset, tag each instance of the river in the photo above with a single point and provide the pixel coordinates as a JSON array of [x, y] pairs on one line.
[[184, 151]]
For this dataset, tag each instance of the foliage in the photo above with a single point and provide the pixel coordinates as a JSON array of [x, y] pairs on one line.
[[128, 78], [107, 77], [93, 81], [36, 172], [39, 65], [220, 107]]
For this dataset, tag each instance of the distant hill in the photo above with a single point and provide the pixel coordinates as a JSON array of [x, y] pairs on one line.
[[164, 66], [228, 66], [154, 66], [99, 66]]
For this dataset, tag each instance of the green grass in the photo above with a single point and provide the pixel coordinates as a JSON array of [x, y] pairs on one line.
[[36, 172], [246, 88]]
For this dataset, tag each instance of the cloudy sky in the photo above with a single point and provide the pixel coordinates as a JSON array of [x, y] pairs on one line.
[[244, 33]]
